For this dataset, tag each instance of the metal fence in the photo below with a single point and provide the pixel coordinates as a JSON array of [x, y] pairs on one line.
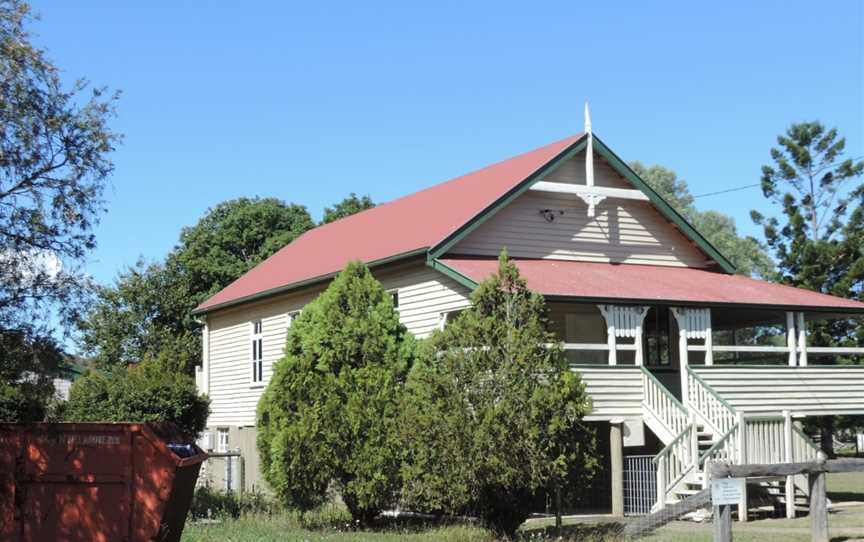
[[640, 485]]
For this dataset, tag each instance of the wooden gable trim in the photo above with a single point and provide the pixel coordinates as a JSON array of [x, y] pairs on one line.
[[665, 209], [576, 147]]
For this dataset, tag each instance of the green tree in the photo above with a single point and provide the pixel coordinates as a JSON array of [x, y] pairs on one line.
[[29, 364], [328, 414], [149, 308], [491, 413], [152, 391], [353, 204], [817, 240], [55, 145], [746, 253]]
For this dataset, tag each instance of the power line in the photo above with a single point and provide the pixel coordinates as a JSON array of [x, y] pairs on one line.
[[746, 186]]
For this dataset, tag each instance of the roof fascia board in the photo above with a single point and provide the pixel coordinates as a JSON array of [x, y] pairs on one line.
[[667, 210], [487, 213], [452, 273], [703, 304], [305, 283]]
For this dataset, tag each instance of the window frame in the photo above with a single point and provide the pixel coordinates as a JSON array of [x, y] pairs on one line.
[[256, 375], [222, 447]]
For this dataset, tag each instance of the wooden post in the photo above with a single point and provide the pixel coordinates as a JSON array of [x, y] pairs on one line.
[[616, 448], [608, 312], [610, 338], [723, 523], [790, 337], [558, 508], [741, 458], [637, 336], [802, 340], [787, 457], [681, 318], [818, 505], [709, 342], [661, 483]]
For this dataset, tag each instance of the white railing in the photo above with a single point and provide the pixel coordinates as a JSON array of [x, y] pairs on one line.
[[803, 447], [765, 439], [742, 348], [674, 463], [702, 398], [662, 404], [596, 346]]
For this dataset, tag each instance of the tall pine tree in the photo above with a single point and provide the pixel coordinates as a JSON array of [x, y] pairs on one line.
[[818, 241]]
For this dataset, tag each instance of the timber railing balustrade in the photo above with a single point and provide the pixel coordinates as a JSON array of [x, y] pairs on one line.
[[815, 470]]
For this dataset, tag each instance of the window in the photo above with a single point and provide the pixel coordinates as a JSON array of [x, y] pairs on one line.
[[394, 295], [257, 352], [658, 328], [222, 444]]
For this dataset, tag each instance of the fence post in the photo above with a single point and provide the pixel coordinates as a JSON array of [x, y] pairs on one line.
[[788, 458], [723, 523], [741, 459], [818, 504], [661, 483]]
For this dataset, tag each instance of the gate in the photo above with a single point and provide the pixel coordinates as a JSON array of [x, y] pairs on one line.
[[640, 485]]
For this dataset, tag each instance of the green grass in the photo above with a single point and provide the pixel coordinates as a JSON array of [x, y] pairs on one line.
[[846, 486], [333, 524], [278, 529], [844, 523]]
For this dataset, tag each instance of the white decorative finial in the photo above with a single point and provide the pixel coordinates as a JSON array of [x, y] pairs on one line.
[[590, 199], [587, 119]]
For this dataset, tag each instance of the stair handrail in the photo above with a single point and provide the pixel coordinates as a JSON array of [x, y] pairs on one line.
[[674, 462], [724, 449], [665, 406], [715, 410]]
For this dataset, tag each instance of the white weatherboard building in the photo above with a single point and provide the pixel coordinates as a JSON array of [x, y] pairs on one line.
[[652, 316]]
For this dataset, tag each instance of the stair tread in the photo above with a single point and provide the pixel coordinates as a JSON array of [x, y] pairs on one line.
[[688, 491]]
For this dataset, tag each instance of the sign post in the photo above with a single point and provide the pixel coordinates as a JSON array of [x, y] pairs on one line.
[[725, 492]]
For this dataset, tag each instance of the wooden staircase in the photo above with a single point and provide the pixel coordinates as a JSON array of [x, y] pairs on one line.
[[709, 429]]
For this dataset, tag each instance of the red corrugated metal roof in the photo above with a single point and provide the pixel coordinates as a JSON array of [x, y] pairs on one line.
[[414, 222], [651, 283]]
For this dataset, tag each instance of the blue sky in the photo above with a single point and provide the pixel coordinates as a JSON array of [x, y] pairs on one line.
[[310, 101]]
